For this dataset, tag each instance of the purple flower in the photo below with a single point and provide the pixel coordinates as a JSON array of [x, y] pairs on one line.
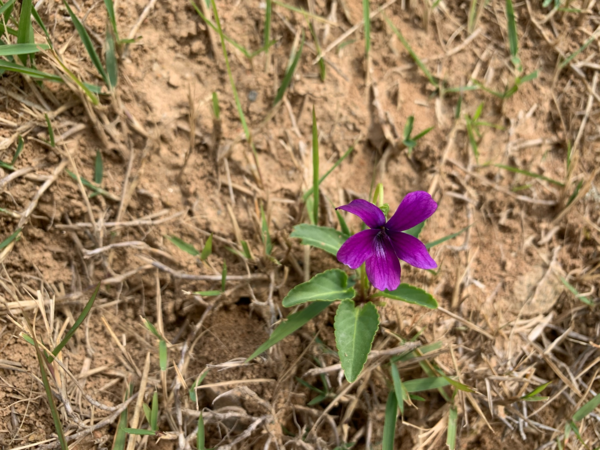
[[385, 243]]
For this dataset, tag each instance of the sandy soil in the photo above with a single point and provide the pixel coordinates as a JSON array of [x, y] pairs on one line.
[[508, 323]]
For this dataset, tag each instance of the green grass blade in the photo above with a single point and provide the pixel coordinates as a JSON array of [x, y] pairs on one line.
[[87, 42], [266, 236], [121, 436], [98, 168], [267, 32], [84, 313], [163, 355], [110, 9], [154, 412], [412, 54], [537, 390], [139, 432], [147, 412], [586, 408], [218, 30], [224, 277], [322, 66], [88, 184], [22, 49], [529, 174], [309, 192], [389, 424], [246, 250], [111, 59], [447, 238], [7, 9], [200, 437], [425, 384], [513, 39], [343, 225], [152, 328], [38, 20], [452, 422], [216, 108], [585, 45], [574, 291], [287, 78], [398, 390], [33, 73], [50, 130], [315, 155], [197, 383], [25, 30], [291, 324], [182, 245], [367, 20], [207, 250], [50, 398], [85, 87], [18, 152], [10, 239]]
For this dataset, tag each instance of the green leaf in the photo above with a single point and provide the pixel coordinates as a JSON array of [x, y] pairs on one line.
[[408, 128], [529, 174], [447, 238], [512, 29], [5, 243], [33, 73], [367, 24], [152, 328], [343, 225], [536, 391], [197, 383], [147, 412], [315, 157], [410, 294], [86, 310], [208, 293], [200, 437], [287, 78], [452, 422], [87, 42], [224, 276], [18, 152], [399, 391], [266, 236], [139, 432], [246, 250], [207, 250], [318, 399], [110, 9], [412, 54], [98, 168], [416, 230], [21, 49], [25, 30], [355, 329], [574, 291], [93, 187], [309, 192], [267, 31], [389, 424], [111, 59], [425, 384], [291, 324], [458, 385], [50, 130], [330, 286], [182, 245], [163, 355], [324, 238], [154, 412], [586, 409]]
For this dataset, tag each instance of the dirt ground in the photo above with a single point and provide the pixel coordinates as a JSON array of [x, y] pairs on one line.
[[507, 322]]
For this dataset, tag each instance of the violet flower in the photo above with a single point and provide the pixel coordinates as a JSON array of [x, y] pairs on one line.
[[385, 243]]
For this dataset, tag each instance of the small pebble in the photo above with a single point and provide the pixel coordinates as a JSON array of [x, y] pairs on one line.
[[252, 95]]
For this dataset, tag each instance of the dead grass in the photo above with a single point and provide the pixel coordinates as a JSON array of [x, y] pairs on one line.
[[517, 289]]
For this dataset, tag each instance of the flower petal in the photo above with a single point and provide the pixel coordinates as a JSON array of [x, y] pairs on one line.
[[358, 248], [383, 267], [411, 250], [368, 212], [414, 209]]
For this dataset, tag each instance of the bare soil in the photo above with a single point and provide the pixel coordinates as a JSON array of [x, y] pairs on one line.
[[508, 323]]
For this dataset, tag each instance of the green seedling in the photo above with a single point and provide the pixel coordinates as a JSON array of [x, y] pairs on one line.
[[411, 142]]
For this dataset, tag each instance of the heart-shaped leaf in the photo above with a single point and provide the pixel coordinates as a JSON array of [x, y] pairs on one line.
[[355, 330], [324, 238], [328, 286], [410, 294]]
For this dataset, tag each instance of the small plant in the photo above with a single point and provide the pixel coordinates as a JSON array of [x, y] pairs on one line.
[[374, 254]]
